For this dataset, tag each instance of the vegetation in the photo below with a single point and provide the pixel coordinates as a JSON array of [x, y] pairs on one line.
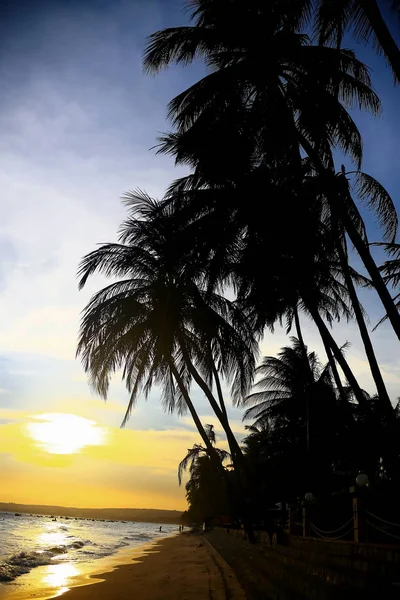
[[257, 233]]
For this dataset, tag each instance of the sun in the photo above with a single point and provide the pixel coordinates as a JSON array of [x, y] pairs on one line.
[[59, 433]]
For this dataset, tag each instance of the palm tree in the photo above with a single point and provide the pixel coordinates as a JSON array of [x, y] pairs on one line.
[[367, 22], [206, 491], [369, 349], [160, 326], [301, 414], [286, 380], [198, 117], [349, 278], [346, 218], [193, 454], [231, 230], [256, 112], [222, 121], [391, 270]]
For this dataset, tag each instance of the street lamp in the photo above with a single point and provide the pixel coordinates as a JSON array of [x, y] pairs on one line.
[[362, 480]]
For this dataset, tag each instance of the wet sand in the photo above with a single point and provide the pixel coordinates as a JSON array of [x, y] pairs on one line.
[[184, 566]]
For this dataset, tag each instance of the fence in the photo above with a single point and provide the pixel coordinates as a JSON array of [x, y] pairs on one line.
[[358, 522]]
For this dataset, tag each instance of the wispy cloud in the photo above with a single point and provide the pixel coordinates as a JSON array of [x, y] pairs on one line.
[[77, 119]]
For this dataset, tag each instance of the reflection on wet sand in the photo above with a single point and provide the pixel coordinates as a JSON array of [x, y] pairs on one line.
[[48, 581], [59, 577]]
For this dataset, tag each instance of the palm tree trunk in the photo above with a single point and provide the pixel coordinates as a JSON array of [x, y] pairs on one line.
[[238, 458], [192, 409], [298, 330], [373, 271], [308, 370], [232, 441], [219, 389], [330, 342], [356, 239], [383, 35], [369, 350], [334, 370]]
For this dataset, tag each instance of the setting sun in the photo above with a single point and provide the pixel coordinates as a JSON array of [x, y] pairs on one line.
[[64, 434]]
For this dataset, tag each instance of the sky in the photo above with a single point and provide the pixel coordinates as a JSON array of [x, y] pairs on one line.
[[78, 119]]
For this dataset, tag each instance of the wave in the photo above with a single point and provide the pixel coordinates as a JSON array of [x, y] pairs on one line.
[[138, 536], [78, 544], [22, 562]]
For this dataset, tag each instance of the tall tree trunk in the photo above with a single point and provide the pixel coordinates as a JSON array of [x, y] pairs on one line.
[[330, 342], [192, 410], [219, 388], [383, 35], [299, 332], [342, 213], [232, 441], [369, 350], [335, 372], [307, 368], [238, 458], [373, 271]]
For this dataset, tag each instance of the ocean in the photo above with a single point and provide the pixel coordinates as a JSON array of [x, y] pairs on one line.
[[63, 544]]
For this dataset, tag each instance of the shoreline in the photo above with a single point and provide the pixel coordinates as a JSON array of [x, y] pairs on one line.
[[182, 566], [48, 582]]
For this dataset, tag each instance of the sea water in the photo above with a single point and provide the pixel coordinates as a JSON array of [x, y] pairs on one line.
[[31, 541]]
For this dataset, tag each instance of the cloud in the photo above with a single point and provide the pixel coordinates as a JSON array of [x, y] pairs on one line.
[[77, 119]]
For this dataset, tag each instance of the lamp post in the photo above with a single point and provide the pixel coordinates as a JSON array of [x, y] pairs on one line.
[[362, 482], [308, 499]]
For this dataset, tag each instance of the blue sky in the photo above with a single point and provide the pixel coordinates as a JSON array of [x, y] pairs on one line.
[[77, 120]]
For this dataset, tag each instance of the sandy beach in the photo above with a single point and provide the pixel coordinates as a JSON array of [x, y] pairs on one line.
[[185, 567]]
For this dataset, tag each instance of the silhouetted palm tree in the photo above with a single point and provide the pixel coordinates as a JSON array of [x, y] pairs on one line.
[[346, 218], [204, 113], [391, 270], [286, 381], [303, 423], [206, 491], [359, 316], [159, 325], [189, 461], [230, 229], [366, 21], [223, 130], [260, 112]]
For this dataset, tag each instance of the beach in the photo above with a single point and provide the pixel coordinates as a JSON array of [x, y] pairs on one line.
[[184, 567]]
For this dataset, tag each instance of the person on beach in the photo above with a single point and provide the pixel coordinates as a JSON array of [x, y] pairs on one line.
[[160, 527]]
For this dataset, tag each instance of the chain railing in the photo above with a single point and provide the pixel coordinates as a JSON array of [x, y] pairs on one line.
[[381, 528], [327, 535], [383, 520]]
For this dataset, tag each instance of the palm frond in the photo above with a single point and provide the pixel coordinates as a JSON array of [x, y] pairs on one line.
[[179, 45], [376, 197]]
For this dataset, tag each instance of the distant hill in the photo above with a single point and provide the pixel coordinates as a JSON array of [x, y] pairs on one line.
[[145, 515]]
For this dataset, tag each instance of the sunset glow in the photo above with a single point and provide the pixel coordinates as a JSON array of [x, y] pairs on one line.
[[65, 434], [78, 117]]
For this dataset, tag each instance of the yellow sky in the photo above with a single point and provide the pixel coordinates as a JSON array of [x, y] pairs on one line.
[[65, 459]]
